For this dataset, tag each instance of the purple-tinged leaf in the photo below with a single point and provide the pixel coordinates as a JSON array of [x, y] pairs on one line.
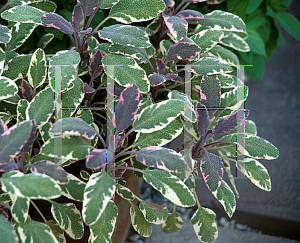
[[88, 89], [3, 127], [27, 91], [182, 51], [231, 121], [127, 107], [87, 31], [58, 22], [169, 3], [88, 6], [174, 77], [161, 66], [214, 1], [98, 158], [8, 166], [118, 90], [96, 67], [190, 14], [177, 26], [210, 92], [51, 169], [78, 18], [156, 79], [27, 146], [203, 120], [3, 212], [211, 167]]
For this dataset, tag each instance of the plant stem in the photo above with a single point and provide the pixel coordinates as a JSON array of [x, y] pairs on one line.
[[178, 7], [71, 37], [5, 5], [197, 200], [103, 21], [129, 157], [173, 64], [131, 146], [221, 142], [125, 153], [130, 168], [91, 18], [185, 6], [99, 115], [37, 209], [102, 140]]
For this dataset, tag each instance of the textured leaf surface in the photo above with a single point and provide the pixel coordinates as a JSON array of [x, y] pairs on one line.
[[88, 6], [98, 158], [203, 120], [125, 35], [23, 14], [78, 18], [45, 40], [182, 51], [96, 68], [134, 52], [226, 197], [69, 219], [154, 213], [73, 189], [125, 193], [210, 66], [24, 185], [102, 232], [156, 79], [207, 39], [58, 22], [5, 34], [173, 223], [108, 4], [7, 232], [235, 42], [170, 187], [247, 127], [129, 11], [204, 224], [97, 194], [19, 209], [139, 223], [190, 14], [8, 88], [177, 26], [57, 231], [27, 91], [17, 67], [37, 71], [126, 71], [2, 58]]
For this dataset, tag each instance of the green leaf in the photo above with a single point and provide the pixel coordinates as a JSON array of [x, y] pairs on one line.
[[108, 4], [97, 194], [73, 189], [253, 5], [25, 185], [153, 213], [139, 223], [20, 32], [17, 67], [85, 115], [134, 52], [19, 209], [8, 88], [256, 172], [73, 147], [69, 219], [247, 127], [204, 224], [210, 66], [57, 231], [69, 61], [125, 193], [41, 107], [35, 232], [125, 35], [289, 23], [255, 41], [5, 34], [226, 197], [170, 186], [235, 42], [207, 39], [102, 232], [2, 58], [37, 71], [129, 11], [47, 6], [126, 71], [23, 14], [7, 231], [45, 40], [173, 223], [44, 131], [5, 117], [237, 7], [157, 116]]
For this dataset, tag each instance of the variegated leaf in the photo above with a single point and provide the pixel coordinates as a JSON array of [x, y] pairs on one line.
[[97, 194], [228, 80], [210, 66], [13, 140], [129, 11], [68, 60], [126, 71], [41, 107], [125, 35], [45, 5], [156, 79], [8, 88], [84, 175], [182, 51], [177, 26], [101, 232], [96, 68], [69, 219], [98, 158], [45, 40], [19, 209], [88, 6], [224, 21], [73, 189], [108, 4], [23, 14], [51, 169], [127, 107], [190, 14], [5, 34], [211, 167], [37, 71], [85, 115], [207, 39], [24, 185], [27, 91], [28, 144], [5, 117], [157, 116], [44, 131], [78, 18], [173, 223], [160, 137], [33, 231], [153, 213], [57, 231], [226, 197], [58, 22], [235, 42], [139, 223], [8, 166], [125, 193], [170, 186], [20, 32], [74, 148], [7, 231], [134, 52], [204, 224], [2, 58], [161, 66], [203, 121], [247, 127], [17, 67], [256, 172], [72, 126]]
